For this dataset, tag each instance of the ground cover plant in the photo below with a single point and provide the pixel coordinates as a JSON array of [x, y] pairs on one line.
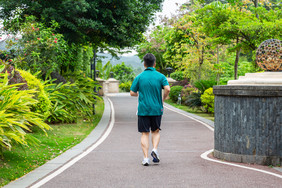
[[20, 161]]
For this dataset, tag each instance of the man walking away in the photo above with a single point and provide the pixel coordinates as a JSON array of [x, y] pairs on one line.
[[148, 85]]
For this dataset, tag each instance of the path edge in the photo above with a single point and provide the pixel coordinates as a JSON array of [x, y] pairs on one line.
[[204, 120], [51, 166]]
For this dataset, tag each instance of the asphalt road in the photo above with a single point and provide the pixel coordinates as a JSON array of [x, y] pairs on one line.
[[117, 161]]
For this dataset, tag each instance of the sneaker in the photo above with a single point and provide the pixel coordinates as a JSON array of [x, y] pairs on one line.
[[146, 162], [155, 156]]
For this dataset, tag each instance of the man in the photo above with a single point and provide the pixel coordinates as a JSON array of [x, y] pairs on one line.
[[149, 85]]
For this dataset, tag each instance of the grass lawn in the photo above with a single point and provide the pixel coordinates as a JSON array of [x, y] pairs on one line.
[[190, 110], [19, 161]]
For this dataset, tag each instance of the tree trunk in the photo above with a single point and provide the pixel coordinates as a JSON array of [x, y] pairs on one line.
[[236, 60], [256, 5], [201, 61]]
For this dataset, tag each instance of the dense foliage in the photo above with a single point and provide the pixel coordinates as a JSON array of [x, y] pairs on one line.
[[207, 35], [83, 21], [44, 104], [16, 115]]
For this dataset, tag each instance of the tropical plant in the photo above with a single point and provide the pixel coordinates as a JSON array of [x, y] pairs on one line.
[[16, 117], [203, 85], [58, 111], [194, 100], [175, 91], [104, 71], [208, 100], [44, 104], [74, 99]]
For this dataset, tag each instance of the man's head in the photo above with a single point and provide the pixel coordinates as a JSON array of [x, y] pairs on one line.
[[149, 60]]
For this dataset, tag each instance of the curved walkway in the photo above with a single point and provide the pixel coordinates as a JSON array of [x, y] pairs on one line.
[[117, 161]]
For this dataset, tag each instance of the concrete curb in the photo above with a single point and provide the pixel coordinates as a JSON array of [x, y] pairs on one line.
[[54, 164]]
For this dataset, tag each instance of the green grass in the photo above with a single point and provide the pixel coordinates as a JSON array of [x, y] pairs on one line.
[[20, 161], [190, 110]]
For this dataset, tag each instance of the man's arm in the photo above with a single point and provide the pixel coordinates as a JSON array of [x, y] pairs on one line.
[[133, 94], [166, 91]]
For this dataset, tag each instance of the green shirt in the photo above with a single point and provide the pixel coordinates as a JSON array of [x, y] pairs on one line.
[[149, 84]]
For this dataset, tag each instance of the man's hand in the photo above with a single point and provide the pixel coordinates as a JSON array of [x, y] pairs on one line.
[[166, 92], [133, 94]]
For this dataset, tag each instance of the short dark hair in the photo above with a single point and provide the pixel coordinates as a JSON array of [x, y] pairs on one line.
[[149, 60]]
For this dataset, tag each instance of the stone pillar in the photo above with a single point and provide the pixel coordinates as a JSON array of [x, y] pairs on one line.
[[102, 84], [112, 85], [248, 124]]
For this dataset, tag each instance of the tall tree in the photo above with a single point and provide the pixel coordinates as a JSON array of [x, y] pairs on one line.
[[155, 43], [239, 28], [112, 22]]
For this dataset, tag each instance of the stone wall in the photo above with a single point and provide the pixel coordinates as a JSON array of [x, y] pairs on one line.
[[248, 124]]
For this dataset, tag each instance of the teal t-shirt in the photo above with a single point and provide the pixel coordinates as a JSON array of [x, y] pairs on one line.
[[149, 84]]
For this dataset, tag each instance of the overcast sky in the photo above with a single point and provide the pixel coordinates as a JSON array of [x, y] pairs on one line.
[[170, 7]]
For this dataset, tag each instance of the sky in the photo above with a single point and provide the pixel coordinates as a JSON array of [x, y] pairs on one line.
[[169, 8]]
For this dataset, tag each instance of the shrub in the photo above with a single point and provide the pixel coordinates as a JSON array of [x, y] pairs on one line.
[[71, 101], [194, 100], [208, 100], [174, 92], [187, 91], [177, 75], [203, 85], [16, 116], [39, 48], [125, 86], [44, 104]]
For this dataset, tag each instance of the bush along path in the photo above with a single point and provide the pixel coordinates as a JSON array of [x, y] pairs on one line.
[[116, 162]]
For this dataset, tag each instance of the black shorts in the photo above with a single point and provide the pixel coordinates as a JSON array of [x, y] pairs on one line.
[[147, 122]]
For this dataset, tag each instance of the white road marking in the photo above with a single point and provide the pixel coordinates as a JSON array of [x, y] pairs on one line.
[[208, 126], [205, 155], [74, 160]]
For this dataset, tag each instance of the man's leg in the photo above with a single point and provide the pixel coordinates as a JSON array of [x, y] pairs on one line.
[[156, 138], [145, 143]]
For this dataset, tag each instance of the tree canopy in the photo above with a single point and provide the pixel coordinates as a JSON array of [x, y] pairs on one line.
[[111, 22]]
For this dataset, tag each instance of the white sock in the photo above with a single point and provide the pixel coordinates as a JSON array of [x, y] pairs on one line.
[[146, 159], [155, 150]]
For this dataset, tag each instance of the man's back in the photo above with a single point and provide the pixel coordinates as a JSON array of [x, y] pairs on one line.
[[149, 84]]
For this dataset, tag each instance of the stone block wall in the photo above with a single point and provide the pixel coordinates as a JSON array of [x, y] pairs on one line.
[[248, 124]]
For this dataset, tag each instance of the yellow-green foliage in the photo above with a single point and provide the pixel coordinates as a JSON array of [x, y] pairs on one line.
[[208, 100], [44, 104], [16, 118]]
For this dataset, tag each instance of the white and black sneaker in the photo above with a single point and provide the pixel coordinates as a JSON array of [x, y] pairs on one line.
[[146, 162], [155, 155]]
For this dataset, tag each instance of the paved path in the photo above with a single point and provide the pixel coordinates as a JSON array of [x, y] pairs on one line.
[[117, 161]]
